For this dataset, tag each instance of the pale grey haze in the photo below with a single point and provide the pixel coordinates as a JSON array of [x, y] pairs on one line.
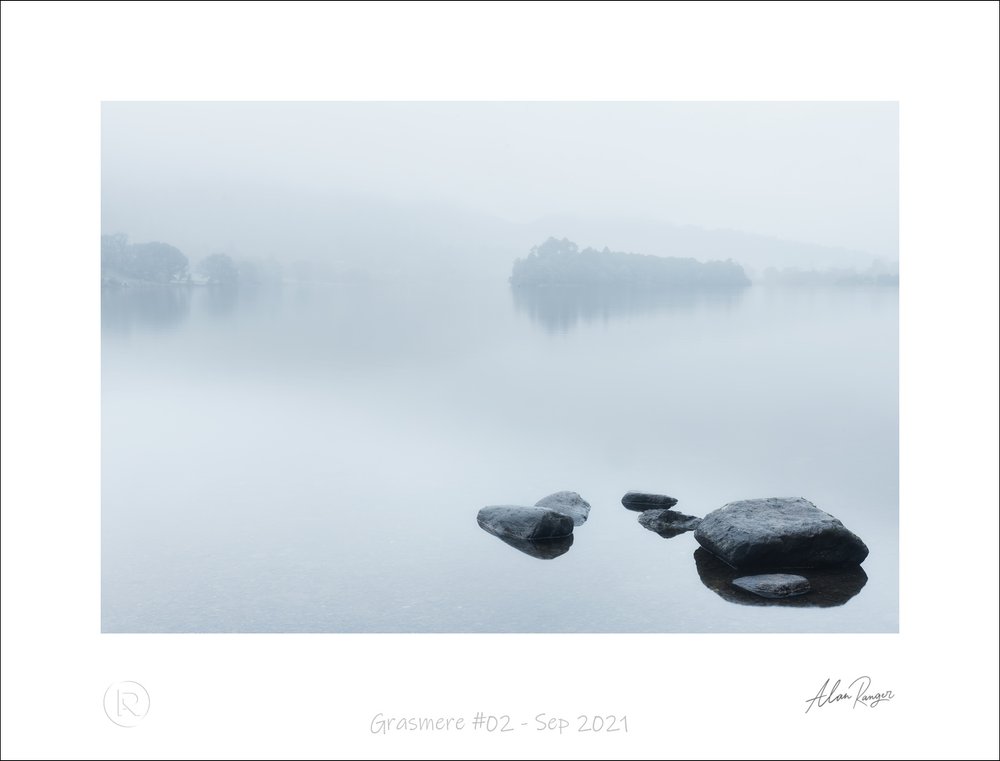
[[462, 188]]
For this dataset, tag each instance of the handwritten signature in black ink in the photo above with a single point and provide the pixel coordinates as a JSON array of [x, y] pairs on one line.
[[857, 693]]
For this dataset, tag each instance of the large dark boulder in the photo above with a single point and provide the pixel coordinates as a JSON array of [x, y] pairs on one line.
[[777, 532], [640, 500], [830, 586], [519, 522], [667, 523], [568, 503]]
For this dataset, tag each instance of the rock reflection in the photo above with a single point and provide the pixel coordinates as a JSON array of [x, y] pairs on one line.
[[830, 586], [543, 549], [560, 309]]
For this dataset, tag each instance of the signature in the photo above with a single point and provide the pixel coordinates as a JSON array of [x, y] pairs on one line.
[[857, 693]]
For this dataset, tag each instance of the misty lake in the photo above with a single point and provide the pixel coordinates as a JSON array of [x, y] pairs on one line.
[[312, 458]]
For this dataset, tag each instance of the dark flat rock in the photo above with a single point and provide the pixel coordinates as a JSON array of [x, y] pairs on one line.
[[777, 533], [568, 503], [522, 522], [831, 587], [640, 500], [667, 523], [774, 585]]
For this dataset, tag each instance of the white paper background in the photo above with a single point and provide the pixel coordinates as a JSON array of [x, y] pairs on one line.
[[731, 696]]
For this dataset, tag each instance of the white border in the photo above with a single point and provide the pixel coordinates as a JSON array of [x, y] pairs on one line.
[[686, 695]]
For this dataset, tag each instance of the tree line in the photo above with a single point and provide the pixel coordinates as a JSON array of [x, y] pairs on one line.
[[161, 263], [562, 263]]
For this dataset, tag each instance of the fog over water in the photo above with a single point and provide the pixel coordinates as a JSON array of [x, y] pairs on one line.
[[464, 187], [306, 449]]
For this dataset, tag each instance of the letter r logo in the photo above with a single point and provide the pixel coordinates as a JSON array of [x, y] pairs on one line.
[[126, 703]]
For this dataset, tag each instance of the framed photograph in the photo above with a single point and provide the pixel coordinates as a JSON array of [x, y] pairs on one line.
[[489, 380]]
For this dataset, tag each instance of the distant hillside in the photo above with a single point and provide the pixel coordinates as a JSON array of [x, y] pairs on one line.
[[754, 252], [563, 263], [384, 239], [880, 274]]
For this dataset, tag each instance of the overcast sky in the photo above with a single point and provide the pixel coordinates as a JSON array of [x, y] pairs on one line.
[[823, 173]]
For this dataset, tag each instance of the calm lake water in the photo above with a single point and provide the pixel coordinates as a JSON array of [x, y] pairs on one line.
[[313, 458]]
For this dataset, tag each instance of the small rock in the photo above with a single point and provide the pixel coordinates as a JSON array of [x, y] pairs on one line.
[[667, 523], [774, 585], [831, 587], [524, 522], [638, 500], [773, 533], [568, 503]]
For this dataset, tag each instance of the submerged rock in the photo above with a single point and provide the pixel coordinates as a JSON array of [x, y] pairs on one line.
[[667, 523], [638, 500], [543, 549], [830, 586], [777, 533], [519, 522], [568, 503], [774, 585]]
